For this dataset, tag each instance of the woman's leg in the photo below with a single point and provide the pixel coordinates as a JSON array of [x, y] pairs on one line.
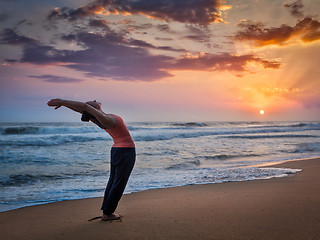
[[123, 160], [110, 183]]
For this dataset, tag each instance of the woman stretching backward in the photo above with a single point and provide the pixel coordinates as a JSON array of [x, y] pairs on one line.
[[123, 152]]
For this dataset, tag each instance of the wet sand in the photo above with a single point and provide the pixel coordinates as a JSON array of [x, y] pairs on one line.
[[278, 208]]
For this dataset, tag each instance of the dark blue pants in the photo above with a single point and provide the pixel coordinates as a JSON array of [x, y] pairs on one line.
[[122, 162]]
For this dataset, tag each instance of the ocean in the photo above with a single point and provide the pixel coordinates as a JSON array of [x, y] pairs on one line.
[[49, 162]]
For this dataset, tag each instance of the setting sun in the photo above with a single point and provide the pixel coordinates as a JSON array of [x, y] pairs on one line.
[[261, 112]]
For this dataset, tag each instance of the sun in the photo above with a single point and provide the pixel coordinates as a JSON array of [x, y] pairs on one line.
[[261, 112]]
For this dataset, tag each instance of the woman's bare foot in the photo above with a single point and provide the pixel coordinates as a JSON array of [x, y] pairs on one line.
[[110, 217]]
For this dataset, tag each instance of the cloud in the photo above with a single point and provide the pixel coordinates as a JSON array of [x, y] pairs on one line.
[[110, 55], [164, 28], [164, 39], [9, 36], [57, 79], [103, 56], [198, 34], [202, 12], [130, 25], [307, 30], [72, 15], [99, 23], [295, 8], [140, 43], [221, 62], [115, 38], [310, 29]]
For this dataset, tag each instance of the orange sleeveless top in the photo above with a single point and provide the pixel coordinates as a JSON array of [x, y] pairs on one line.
[[120, 134]]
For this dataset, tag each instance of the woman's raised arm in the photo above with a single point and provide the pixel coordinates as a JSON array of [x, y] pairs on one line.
[[73, 105], [103, 120]]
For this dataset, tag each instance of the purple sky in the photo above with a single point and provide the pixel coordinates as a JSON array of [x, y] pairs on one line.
[[161, 60]]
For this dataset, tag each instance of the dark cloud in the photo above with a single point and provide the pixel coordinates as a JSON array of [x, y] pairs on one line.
[[163, 38], [168, 48], [103, 57], [11, 60], [42, 55], [198, 34], [113, 56], [295, 8], [72, 15], [198, 38], [57, 79], [307, 29], [98, 23], [23, 22], [88, 37], [114, 37], [140, 43], [221, 62], [10, 36], [164, 27], [144, 26], [202, 12]]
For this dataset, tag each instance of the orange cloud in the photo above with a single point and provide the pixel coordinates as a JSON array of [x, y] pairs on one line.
[[221, 62], [307, 30]]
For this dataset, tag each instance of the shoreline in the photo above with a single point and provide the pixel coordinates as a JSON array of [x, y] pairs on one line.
[[269, 164], [277, 208]]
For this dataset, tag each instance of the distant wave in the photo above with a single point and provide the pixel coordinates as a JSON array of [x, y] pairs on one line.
[[306, 147], [46, 136], [191, 124], [237, 133], [185, 165], [197, 162], [51, 140], [19, 130], [65, 129], [226, 157], [271, 136], [19, 179], [248, 126], [299, 125], [47, 130]]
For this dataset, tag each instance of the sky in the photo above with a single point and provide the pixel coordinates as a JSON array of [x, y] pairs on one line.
[[161, 60]]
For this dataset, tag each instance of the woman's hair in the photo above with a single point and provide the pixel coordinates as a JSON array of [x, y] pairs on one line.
[[86, 117]]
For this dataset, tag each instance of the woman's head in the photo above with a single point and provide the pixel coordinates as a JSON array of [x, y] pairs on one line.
[[94, 104], [86, 117]]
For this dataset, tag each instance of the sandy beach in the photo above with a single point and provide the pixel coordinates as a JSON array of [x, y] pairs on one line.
[[278, 208]]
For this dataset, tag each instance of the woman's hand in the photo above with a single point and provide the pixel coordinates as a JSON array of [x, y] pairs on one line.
[[57, 102]]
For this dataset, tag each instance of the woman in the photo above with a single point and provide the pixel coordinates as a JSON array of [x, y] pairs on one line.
[[123, 153]]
